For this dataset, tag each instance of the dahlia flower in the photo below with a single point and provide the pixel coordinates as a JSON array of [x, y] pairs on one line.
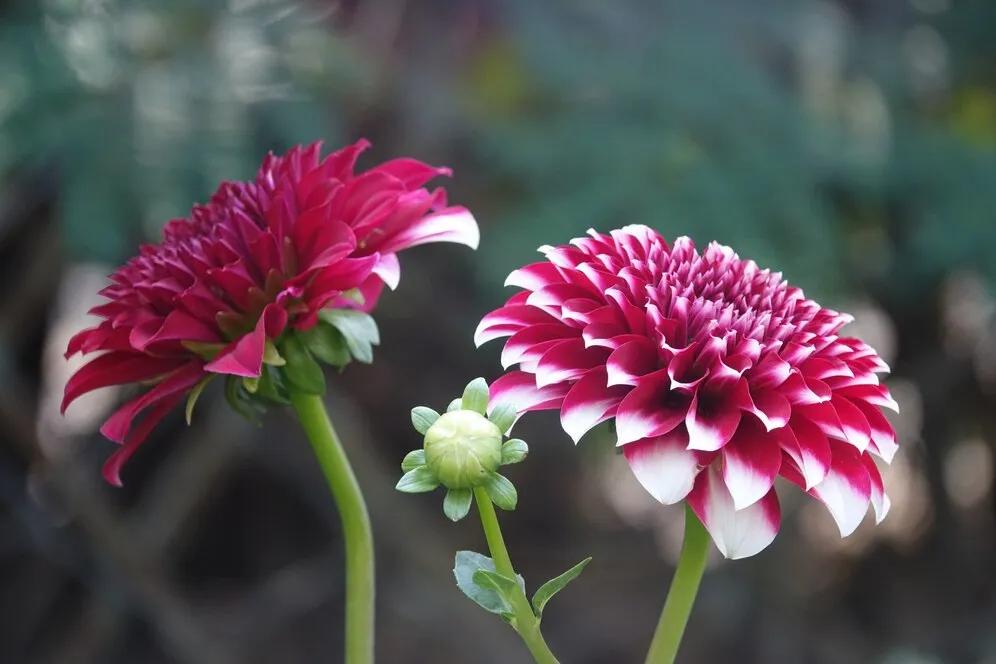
[[260, 260], [720, 377]]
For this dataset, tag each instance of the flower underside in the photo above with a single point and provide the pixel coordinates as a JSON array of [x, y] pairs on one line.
[[261, 259]]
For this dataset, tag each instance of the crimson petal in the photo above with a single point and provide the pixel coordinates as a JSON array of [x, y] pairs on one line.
[[650, 409], [751, 461], [112, 468], [589, 402]]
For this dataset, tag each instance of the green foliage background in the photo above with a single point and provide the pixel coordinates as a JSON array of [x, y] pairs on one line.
[[705, 120]]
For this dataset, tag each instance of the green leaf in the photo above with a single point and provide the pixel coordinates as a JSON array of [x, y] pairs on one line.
[[503, 416], [423, 418], [240, 401], [413, 460], [502, 585], [475, 396], [555, 585], [194, 395], [456, 404], [457, 503], [271, 386], [513, 451], [501, 491], [271, 355], [355, 295], [327, 344], [418, 480], [466, 565], [301, 370], [358, 329], [251, 384]]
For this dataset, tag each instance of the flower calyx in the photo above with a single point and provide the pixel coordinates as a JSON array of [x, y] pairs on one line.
[[463, 449], [294, 361]]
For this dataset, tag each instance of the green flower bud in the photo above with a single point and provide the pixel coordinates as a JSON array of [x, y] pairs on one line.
[[463, 448]]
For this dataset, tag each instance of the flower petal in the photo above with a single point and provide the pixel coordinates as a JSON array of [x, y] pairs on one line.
[[768, 406], [455, 224], [118, 425], [508, 320], [808, 448], [535, 276], [412, 172], [112, 468], [116, 368], [244, 356], [875, 395], [846, 490], [388, 269], [567, 360], [650, 409], [589, 402], [519, 389], [751, 461], [853, 422], [630, 361], [883, 437], [736, 533], [530, 343], [664, 466], [711, 423], [879, 499]]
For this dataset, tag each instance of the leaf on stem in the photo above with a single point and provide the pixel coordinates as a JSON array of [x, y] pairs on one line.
[[327, 344], [466, 565], [555, 585], [358, 329], [301, 370], [501, 584]]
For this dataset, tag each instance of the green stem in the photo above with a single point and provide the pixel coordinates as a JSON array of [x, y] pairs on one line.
[[356, 530], [526, 622], [681, 596]]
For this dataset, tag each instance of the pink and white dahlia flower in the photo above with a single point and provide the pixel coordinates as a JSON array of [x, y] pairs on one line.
[[260, 259], [720, 377]]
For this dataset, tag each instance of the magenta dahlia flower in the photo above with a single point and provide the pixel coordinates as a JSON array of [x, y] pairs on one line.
[[720, 377], [260, 259]]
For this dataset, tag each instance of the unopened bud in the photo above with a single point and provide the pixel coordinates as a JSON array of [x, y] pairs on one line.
[[463, 448]]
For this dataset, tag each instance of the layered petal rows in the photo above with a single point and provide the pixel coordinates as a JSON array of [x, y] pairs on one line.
[[260, 258], [720, 377]]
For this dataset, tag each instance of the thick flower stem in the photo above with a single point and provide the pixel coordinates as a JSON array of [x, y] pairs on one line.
[[526, 622], [681, 596], [357, 533]]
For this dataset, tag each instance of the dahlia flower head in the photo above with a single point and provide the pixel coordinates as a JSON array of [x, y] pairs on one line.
[[261, 261], [720, 377]]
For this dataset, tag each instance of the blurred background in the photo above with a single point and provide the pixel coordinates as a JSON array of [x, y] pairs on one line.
[[850, 144]]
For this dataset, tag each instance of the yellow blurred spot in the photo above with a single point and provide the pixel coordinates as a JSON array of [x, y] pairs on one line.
[[973, 116], [496, 81]]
